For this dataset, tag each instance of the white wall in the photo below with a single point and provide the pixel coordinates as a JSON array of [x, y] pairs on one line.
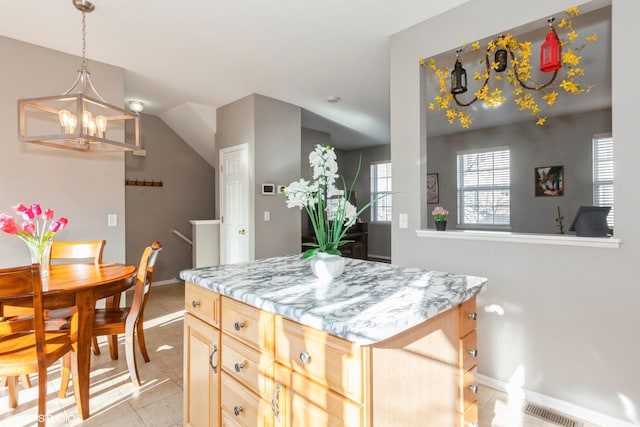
[[569, 313], [82, 187]]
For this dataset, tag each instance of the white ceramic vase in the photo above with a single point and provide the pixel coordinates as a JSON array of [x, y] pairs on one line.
[[326, 266]]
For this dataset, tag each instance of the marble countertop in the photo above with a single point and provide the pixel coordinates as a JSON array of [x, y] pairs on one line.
[[368, 303]]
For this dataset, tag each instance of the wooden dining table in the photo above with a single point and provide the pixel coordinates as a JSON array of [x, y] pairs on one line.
[[81, 285]]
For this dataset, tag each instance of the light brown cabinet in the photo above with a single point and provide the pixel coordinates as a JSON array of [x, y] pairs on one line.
[[275, 372]]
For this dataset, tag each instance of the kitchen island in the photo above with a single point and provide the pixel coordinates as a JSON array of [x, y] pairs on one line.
[[268, 344]]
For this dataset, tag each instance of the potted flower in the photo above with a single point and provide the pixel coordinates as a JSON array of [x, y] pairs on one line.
[[37, 231], [330, 212], [440, 218]]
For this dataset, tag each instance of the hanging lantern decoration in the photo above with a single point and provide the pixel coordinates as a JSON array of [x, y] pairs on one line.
[[500, 59], [551, 51], [458, 76]]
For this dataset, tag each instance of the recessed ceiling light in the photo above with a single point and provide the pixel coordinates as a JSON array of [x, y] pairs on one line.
[[333, 99]]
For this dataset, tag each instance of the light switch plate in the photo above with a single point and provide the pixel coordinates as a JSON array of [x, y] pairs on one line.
[[403, 220], [112, 220]]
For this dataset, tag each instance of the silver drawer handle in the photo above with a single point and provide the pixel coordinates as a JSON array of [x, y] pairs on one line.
[[213, 353], [237, 410], [474, 389], [239, 366], [305, 358], [195, 303], [473, 352], [473, 316], [275, 403], [238, 325]]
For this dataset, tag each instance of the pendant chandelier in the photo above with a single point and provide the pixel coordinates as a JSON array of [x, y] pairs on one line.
[[79, 119]]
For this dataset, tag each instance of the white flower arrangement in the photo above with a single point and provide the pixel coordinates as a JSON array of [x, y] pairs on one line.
[[329, 209]]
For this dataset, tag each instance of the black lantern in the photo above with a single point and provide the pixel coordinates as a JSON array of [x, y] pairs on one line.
[[500, 60], [458, 76]]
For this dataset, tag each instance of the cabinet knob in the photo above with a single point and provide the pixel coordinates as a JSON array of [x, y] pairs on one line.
[[305, 358], [237, 410], [474, 389], [239, 366], [473, 352], [238, 325], [195, 303], [473, 316]]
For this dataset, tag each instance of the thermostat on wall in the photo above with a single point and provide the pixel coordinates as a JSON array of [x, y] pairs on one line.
[[268, 189]]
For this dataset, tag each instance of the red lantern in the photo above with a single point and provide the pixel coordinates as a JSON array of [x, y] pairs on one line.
[[551, 51]]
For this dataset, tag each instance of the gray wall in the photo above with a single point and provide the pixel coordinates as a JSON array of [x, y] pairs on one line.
[[271, 128], [152, 212], [568, 327], [379, 238], [85, 188], [277, 161], [564, 140]]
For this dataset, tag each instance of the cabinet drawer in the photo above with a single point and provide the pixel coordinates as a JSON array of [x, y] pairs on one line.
[[470, 418], [312, 405], [468, 351], [202, 303], [248, 324], [327, 359], [243, 406], [468, 315], [469, 390], [248, 366]]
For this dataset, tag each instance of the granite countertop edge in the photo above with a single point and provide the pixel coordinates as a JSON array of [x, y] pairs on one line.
[[369, 303]]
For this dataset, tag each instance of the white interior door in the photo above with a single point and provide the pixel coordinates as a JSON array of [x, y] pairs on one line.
[[234, 188]]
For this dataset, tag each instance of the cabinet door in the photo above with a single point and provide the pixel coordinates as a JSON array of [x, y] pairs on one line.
[[201, 373]]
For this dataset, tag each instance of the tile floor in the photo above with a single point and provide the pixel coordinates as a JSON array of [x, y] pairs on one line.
[[158, 401]]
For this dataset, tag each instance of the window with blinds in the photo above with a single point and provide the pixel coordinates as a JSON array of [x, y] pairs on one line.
[[484, 187], [603, 173], [380, 186]]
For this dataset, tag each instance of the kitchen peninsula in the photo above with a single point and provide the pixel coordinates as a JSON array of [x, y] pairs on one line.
[[268, 344]]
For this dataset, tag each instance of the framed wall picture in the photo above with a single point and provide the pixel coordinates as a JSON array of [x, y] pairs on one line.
[[549, 181], [432, 188]]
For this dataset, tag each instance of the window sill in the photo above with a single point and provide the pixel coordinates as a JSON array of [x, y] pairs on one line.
[[529, 238]]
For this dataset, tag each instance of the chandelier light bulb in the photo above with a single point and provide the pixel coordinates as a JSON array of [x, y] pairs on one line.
[[101, 125], [72, 122]]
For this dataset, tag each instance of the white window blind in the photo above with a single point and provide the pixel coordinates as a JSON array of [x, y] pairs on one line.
[[381, 185], [603, 173], [484, 187]]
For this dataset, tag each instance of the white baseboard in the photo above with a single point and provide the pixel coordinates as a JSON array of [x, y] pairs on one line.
[[567, 408], [166, 282]]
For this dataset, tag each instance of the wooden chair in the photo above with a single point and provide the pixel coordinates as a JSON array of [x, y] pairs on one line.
[[127, 320], [65, 252], [25, 346], [73, 251]]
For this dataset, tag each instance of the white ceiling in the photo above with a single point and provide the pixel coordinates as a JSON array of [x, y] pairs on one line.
[[196, 55], [185, 59]]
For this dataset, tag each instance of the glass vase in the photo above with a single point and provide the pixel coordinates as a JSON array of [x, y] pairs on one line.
[[41, 254]]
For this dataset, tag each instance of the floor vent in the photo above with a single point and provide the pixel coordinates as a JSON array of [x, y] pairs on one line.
[[550, 415]]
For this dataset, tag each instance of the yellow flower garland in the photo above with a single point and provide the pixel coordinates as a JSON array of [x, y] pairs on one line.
[[518, 76]]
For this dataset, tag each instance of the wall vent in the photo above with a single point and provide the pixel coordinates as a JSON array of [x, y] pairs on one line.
[[550, 415]]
